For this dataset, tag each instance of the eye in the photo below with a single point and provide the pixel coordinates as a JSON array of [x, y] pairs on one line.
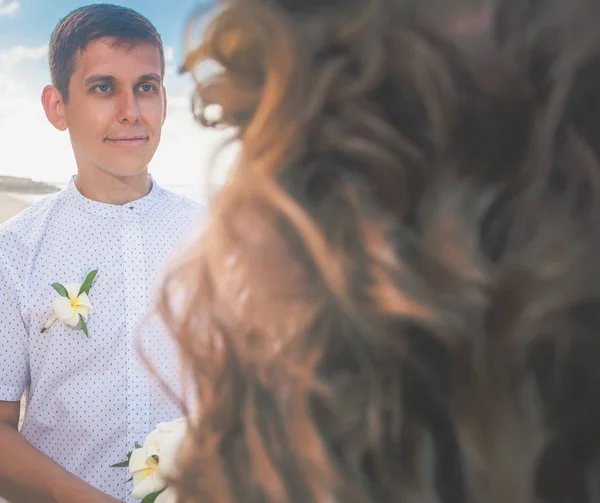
[[147, 88], [102, 88]]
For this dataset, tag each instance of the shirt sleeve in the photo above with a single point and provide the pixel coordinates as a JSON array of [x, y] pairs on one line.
[[14, 347]]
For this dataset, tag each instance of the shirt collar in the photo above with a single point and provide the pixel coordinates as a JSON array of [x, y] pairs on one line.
[[112, 210]]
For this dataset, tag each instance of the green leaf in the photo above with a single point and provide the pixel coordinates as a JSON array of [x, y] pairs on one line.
[[122, 464], [151, 497], [87, 283], [84, 326], [137, 446], [62, 291]]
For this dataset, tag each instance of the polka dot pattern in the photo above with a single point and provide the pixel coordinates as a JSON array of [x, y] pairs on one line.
[[90, 399]]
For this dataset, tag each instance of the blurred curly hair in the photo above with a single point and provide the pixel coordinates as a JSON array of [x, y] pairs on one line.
[[397, 297]]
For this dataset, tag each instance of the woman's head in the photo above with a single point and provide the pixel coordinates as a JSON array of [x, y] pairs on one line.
[[396, 298]]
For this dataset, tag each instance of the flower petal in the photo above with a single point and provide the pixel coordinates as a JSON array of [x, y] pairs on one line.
[[139, 476], [164, 427], [151, 442], [137, 461], [147, 485], [152, 449], [73, 289], [170, 449], [168, 465], [169, 495], [84, 300], [62, 308], [73, 321], [83, 311]]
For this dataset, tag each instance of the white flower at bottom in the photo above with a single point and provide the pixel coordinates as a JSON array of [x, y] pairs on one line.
[[146, 477], [156, 460], [172, 435], [169, 495]]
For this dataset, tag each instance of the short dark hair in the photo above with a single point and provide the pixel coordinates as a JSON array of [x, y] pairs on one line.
[[92, 22]]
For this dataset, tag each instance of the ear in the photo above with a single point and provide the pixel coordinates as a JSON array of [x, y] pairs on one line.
[[54, 107], [165, 104]]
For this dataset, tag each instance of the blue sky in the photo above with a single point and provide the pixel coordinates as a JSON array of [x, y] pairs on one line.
[[33, 20], [31, 147]]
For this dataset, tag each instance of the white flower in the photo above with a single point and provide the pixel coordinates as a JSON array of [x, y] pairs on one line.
[[146, 477], [169, 495], [68, 309], [72, 306], [156, 460]]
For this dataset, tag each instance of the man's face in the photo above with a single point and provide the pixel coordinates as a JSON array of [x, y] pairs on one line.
[[116, 107]]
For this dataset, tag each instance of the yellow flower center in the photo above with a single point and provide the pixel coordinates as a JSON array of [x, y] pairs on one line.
[[151, 466], [74, 301]]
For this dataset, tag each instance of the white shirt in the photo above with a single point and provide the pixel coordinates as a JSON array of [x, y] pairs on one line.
[[89, 399]]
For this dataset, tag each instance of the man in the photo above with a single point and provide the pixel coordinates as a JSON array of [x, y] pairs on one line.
[[89, 397]]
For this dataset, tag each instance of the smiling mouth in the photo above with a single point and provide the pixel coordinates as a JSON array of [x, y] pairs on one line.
[[128, 141]]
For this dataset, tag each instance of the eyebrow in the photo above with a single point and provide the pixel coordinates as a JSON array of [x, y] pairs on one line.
[[95, 79], [151, 76]]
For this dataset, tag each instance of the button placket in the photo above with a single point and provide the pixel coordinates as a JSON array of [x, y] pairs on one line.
[[138, 399]]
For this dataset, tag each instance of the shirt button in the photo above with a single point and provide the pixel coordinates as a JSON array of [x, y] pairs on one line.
[[137, 428]]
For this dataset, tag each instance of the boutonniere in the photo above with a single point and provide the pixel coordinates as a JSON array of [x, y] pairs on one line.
[[153, 463], [72, 306]]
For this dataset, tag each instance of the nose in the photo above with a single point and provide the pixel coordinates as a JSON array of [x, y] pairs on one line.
[[129, 110]]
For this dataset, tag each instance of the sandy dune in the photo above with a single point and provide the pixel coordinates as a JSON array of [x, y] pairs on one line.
[[10, 205]]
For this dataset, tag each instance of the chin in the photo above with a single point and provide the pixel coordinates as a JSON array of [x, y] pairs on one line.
[[126, 171], [128, 164]]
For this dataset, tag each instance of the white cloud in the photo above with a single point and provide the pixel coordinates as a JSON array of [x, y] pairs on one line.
[[18, 53], [13, 94], [18, 86], [11, 86], [170, 71], [169, 53], [6, 9]]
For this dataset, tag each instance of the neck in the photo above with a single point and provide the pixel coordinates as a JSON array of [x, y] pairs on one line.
[[109, 189]]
